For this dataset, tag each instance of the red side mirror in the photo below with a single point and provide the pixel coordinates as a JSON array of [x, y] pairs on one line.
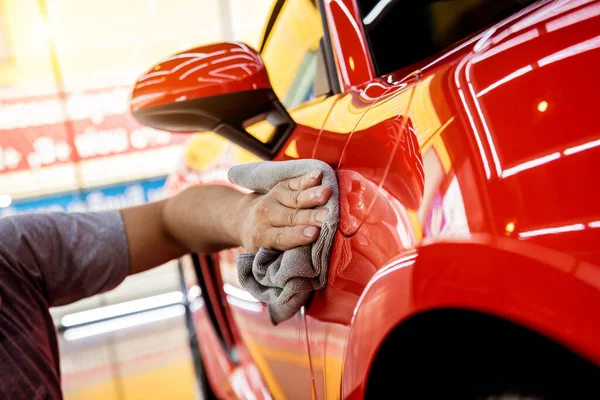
[[218, 88]]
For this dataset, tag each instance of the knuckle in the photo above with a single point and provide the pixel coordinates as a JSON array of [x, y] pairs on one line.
[[300, 182], [275, 193], [308, 196], [280, 186], [295, 183], [279, 196], [296, 199], [258, 236], [280, 237], [263, 209], [286, 185], [307, 217], [313, 216], [292, 217], [306, 180]]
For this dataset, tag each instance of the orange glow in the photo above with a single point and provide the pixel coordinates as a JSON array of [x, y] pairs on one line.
[[510, 227], [292, 150], [543, 106], [351, 61]]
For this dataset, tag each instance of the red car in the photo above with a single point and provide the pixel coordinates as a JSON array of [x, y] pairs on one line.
[[467, 260]]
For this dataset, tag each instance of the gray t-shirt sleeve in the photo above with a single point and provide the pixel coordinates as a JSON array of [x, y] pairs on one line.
[[68, 256]]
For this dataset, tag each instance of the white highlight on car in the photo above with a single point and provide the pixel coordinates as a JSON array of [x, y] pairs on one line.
[[237, 303], [550, 231], [124, 322], [239, 293], [375, 11], [530, 164], [121, 309]]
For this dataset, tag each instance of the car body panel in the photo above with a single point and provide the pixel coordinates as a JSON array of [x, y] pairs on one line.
[[279, 352], [460, 204], [349, 43], [205, 71], [541, 291], [496, 213]]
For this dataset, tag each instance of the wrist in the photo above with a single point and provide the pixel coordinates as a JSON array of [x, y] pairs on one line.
[[166, 217], [241, 211]]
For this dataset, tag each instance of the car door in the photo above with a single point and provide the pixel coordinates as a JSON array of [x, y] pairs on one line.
[[291, 51], [365, 138], [380, 142], [379, 170]]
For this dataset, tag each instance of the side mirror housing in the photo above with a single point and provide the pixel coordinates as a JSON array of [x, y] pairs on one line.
[[222, 88]]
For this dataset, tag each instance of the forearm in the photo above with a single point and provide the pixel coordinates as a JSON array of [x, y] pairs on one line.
[[203, 219], [206, 219]]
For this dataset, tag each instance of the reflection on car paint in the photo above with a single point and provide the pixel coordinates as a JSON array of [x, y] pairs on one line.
[[469, 184]]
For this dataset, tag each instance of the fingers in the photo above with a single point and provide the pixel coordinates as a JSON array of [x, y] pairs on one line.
[[281, 216], [308, 198], [313, 178], [285, 217], [289, 237], [302, 192]]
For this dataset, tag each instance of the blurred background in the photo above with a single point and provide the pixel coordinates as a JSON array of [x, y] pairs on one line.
[[68, 143]]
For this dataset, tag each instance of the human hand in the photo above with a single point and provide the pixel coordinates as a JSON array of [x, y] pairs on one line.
[[284, 217]]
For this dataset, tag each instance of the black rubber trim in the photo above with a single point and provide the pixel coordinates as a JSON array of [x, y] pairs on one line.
[[322, 73], [207, 112], [207, 303], [274, 14], [201, 379], [334, 83], [224, 115], [212, 270]]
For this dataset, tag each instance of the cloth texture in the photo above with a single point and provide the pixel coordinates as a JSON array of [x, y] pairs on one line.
[[50, 259], [285, 280]]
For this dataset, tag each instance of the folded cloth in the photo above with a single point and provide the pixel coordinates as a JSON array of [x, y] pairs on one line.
[[285, 280]]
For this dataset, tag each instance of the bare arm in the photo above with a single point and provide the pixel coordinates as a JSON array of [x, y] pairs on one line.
[[207, 219]]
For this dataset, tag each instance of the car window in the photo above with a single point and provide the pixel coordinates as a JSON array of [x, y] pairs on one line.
[[428, 26], [290, 51]]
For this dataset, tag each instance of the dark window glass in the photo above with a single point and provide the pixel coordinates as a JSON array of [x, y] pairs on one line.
[[402, 32]]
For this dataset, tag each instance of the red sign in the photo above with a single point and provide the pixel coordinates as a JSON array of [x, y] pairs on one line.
[[33, 133]]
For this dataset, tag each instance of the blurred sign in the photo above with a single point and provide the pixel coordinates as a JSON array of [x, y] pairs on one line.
[[107, 198], [34, 134], [107, 146]]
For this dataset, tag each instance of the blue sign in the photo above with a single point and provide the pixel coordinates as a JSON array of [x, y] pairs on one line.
[[99, 199]]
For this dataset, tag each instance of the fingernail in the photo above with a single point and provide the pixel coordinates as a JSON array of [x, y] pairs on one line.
[[321, 215], [310, 231], [318, 192], [314, 174]]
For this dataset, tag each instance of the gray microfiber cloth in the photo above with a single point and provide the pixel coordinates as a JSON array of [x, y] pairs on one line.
[[285, 280]]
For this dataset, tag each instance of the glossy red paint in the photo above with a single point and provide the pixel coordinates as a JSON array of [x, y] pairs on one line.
[[466, 182], [217, 364], [547, 290], [349, 42], [505, 274], [228, 379], [199, 73]]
